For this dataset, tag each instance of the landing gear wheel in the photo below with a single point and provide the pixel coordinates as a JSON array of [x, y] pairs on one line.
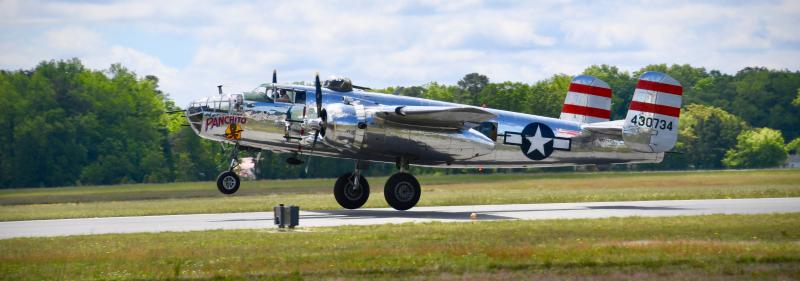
[[228, 182], [349, 197], [402, 191]]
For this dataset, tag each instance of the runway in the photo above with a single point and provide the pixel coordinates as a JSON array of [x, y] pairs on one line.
[[196, 222]]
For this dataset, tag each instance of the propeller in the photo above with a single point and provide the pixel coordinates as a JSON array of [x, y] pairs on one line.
[[274, 76], [318, 93], [321, 115]]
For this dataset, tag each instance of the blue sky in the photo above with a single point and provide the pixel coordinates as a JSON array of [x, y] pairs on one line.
[[194, 45]]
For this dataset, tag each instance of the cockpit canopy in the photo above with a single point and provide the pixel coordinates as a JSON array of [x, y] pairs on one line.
[[272, 93]]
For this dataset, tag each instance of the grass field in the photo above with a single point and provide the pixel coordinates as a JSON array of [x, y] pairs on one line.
[[717, 247], [316, 194]]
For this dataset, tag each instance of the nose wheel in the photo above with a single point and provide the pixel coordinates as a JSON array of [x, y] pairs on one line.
[[402, 191], [228, 182]]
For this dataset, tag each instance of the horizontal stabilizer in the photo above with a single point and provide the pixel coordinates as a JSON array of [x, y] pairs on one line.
[[436, 116], [606, 128]]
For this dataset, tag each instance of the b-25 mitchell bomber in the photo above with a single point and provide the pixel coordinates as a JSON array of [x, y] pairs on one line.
[[338, 119]]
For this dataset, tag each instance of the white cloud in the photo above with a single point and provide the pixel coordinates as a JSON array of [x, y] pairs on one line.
[[394, 42], [72, 39]]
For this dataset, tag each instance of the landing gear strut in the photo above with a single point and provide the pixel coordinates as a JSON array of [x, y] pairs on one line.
[[402, 190], [228, 181]]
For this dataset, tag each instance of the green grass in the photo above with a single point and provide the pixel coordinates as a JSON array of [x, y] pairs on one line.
[[717, 247], [316, 194]]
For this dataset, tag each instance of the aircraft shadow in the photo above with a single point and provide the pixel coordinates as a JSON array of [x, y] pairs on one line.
[[442, 215], [387, 214], [624, 207]]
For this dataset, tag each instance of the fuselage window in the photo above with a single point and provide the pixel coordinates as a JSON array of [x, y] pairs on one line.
[[299, 97], [488, 129]]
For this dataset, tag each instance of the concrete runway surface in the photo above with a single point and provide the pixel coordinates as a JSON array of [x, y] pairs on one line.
[[64, 227]]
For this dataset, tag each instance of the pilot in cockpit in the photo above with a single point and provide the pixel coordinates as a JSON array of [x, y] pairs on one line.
[[283, 96]]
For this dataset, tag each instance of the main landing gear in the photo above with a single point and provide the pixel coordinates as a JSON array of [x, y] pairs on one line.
[[351, 190], [402, 190]]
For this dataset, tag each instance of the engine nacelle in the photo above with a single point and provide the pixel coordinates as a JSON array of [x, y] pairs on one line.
[[342, 127]]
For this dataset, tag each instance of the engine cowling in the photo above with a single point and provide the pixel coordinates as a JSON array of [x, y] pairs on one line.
[[345, 126]]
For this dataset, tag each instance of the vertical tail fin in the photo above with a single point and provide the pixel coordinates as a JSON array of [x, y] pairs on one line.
[[588, 100], [652, 121]]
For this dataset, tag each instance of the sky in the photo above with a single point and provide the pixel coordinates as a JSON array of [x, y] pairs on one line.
[[192, 46]]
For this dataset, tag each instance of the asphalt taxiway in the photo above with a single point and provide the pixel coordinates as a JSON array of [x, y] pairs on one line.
[[196, 222]]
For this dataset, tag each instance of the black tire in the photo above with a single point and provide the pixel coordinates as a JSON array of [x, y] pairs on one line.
[[228, 182], [346, 196], [402, 191]]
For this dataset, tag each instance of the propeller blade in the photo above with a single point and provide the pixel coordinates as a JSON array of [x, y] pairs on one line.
[[274, 76], [318, 93], [313, 145], [318, 99]]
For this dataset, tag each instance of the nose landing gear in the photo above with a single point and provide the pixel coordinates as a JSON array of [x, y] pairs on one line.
[[228, 181]]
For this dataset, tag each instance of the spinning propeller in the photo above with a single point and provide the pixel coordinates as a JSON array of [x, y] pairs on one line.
[[321, 116]]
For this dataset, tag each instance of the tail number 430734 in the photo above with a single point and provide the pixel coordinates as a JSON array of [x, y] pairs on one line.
[[650, 122]]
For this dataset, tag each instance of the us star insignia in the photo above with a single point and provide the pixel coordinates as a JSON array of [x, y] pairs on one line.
[[537, 141]]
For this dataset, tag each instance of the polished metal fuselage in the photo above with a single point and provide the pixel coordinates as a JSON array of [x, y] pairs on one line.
[[357, 131]]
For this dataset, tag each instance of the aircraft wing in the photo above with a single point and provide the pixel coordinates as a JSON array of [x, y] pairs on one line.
[[436, 116], [607, 128]]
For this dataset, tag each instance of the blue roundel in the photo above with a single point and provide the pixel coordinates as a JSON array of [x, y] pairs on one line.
[[537, 141]]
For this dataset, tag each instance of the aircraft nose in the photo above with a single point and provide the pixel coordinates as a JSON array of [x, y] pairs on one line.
[[194, 113]]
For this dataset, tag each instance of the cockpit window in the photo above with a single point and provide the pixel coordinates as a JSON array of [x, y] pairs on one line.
[[260, 94], [269, 94]]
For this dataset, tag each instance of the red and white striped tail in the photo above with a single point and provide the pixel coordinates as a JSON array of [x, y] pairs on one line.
[[652, 121], [588, 100]]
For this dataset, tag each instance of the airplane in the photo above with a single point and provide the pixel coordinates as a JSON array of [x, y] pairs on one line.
[[342, 120]]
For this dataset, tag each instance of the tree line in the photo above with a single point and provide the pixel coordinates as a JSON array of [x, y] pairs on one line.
[[64, 124]]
